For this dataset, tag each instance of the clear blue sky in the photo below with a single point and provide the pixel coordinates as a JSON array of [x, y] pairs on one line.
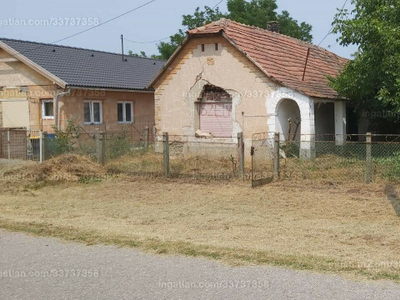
[[155, 21]]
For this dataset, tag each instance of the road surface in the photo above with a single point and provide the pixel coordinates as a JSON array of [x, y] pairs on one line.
[[46, 268]]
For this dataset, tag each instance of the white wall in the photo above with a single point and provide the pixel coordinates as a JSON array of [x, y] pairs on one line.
[[288, 109]]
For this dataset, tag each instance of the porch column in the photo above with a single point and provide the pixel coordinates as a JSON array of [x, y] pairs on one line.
[[307, 138], [340, 122]]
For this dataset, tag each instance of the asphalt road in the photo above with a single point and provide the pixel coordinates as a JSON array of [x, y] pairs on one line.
[[44, 268]]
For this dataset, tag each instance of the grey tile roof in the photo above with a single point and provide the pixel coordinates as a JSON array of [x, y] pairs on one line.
[[89, 68]]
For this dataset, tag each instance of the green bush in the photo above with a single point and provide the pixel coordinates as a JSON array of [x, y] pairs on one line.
[[118, 145], [63, 141]]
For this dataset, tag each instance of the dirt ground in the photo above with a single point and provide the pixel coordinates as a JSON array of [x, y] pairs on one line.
[[347, 229]]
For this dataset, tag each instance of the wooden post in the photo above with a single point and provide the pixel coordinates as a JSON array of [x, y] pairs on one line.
[[1, 143], [277, 159], [241, 154], [166, 154], [8, 144], [100, 148], [154, 138], [146, 137], [42, 146], [368, 175]]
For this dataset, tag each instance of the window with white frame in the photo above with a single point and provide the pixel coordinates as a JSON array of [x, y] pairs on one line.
[[125, 112], [48, 109], [93, 112]]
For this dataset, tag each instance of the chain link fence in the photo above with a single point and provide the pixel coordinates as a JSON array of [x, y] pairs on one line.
[[329, 158], [207, 158], [17, 143]]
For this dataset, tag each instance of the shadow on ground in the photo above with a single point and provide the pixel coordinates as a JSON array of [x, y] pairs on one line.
[[393, 197]]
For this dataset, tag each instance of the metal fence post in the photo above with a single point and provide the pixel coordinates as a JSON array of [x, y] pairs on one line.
[[277, 171], [42, 146], [166, 154], [8, 144], [241, 154], [368, 175], [146, 137], [100, 148]]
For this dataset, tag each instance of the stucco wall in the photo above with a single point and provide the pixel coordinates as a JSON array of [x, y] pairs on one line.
[[35, 88], [72, 107], [182, 83], [18, 74], [35, 95], [13, 75]]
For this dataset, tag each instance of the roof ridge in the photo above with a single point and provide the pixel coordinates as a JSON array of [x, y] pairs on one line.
[[77, 48]]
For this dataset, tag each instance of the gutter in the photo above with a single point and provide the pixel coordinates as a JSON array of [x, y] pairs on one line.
[[109, 89], [56, 100]]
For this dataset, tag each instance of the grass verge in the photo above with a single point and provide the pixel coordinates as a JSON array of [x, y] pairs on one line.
[[349, 230], [234, 257]]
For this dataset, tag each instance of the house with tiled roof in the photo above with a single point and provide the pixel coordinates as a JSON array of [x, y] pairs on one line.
[[42, 86], [228, 78]]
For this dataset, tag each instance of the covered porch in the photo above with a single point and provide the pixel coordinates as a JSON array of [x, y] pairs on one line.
[[303, 120]]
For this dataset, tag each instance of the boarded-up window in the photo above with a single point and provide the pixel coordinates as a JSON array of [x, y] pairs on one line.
[[215, 112]]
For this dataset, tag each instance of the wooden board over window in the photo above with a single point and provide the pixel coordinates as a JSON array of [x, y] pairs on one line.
[[215, 112], [216, 118]]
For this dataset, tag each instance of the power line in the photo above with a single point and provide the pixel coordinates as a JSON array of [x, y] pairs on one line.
[[167, 37], [149, 42], [86, 30], [218, 4], [106, 22], [333, 26]]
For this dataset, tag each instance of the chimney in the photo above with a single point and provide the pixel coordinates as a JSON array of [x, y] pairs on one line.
[[122, 47], [274, 26]]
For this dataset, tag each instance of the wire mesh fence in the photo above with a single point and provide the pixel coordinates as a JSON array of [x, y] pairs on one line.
[[333, 158], [329, 158], [17, 143], [262, 155], [208, 158]]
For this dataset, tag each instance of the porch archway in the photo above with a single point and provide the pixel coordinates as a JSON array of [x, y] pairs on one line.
[[288, 120]]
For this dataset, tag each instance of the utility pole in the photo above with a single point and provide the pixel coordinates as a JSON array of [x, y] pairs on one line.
[[122, 47]]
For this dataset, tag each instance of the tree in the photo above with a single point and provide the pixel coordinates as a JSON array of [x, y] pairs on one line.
[[372, 79], [256, 13], [143, 54], [260, 12], [198, 19]]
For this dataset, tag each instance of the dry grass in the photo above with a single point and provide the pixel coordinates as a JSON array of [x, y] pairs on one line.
[[25, 175], [149, 162], [351, 230], [327, 167], [68, 167]]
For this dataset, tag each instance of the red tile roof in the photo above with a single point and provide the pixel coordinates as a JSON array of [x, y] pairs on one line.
[[282, 58]]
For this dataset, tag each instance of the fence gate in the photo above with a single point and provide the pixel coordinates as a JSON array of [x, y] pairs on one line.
[[262, 158], [13, 144]]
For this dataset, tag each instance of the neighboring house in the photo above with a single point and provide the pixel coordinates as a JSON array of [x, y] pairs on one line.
[[228, 78], [94, 89]]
